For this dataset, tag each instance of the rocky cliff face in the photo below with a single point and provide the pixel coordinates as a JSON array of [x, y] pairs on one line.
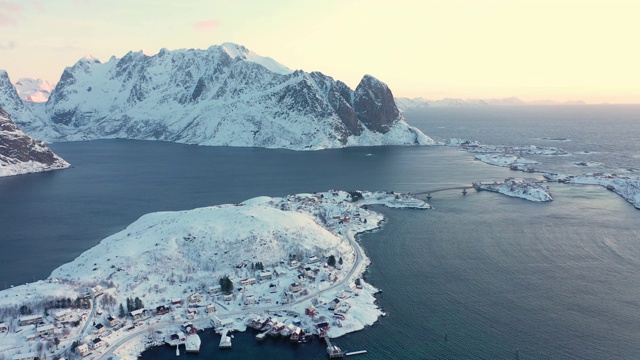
[[20, 153], [225, 95]]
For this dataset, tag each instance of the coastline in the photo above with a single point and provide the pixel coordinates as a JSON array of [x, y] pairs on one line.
[[335, 218]]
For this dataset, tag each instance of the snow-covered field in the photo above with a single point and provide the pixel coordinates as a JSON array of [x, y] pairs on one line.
[[283, 255], [504, 160]]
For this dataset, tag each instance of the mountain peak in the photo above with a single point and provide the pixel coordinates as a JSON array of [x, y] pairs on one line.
[[236, 51]]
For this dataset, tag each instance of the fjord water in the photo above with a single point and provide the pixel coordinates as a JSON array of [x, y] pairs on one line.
[[490, 273]]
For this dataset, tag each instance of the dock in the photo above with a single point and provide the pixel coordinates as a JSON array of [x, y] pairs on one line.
[[261, 336], [352, 353], [333, 351], [225, 340]]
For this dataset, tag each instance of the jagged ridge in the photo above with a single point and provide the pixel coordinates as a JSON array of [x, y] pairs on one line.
[[225, 95]]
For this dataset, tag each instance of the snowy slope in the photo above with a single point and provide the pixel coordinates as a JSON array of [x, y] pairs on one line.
[[225, 95], [21, 154], [33, 90]]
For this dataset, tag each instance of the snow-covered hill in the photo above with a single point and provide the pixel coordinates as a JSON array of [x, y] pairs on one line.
[[21, 154], [34, 90], [225, 95]]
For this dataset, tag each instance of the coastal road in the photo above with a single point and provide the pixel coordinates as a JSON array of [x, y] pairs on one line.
[[206, 322]]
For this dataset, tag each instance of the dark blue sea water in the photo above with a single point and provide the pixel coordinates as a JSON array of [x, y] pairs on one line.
[[494, 274]]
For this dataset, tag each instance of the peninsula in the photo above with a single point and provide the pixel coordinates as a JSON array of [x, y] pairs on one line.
[[224, 266]]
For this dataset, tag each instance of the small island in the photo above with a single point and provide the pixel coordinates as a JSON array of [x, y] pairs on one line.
[[528, 189], [287, 266], [626, 186], [505, 156]]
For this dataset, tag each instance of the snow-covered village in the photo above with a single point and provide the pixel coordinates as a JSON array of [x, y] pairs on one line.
[[287, 266]]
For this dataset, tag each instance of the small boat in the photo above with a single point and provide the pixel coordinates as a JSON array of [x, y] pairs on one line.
[[305, 338], [192, 344], [261, 336]]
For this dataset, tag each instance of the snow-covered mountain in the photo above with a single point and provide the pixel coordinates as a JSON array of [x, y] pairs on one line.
[[12, 104], [29, 116], [224, 95], [21, 154], [34, 90]]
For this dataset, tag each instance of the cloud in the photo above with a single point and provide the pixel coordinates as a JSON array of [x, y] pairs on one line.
[[6, 20], [206, 25], [9, 45], [9, 12], [10, 7]]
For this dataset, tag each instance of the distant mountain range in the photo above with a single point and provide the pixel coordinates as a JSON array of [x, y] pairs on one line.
[[225, 95], [419, 103], [33, 90]]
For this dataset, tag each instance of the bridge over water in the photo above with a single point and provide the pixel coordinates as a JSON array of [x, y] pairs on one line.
[[464, 189]]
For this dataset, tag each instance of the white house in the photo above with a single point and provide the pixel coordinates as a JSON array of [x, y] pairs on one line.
[[313, 259], [210, 308], [96, 343], [98, 328], [31, 319], [227, 297], [97, 290], [63, 315], [83, 349], [249, 299], [279, 271], [137, 314], [194, 298], [295, 287], [45, 330], [249, 281], [215, 289], [265, 275], [3, 327]]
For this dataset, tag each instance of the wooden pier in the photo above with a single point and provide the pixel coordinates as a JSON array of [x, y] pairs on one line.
[[225, 340], [333, 351]]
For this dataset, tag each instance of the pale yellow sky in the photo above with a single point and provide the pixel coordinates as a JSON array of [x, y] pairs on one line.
[[561, 50]]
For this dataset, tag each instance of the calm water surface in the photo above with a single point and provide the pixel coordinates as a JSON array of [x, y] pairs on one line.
[[492, 273]]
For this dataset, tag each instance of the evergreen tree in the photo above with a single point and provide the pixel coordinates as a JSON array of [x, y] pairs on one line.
[[25, 310], [340, 261], [138, 303], [129, 305], [121, 312], [226, 284], [331, 261]]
